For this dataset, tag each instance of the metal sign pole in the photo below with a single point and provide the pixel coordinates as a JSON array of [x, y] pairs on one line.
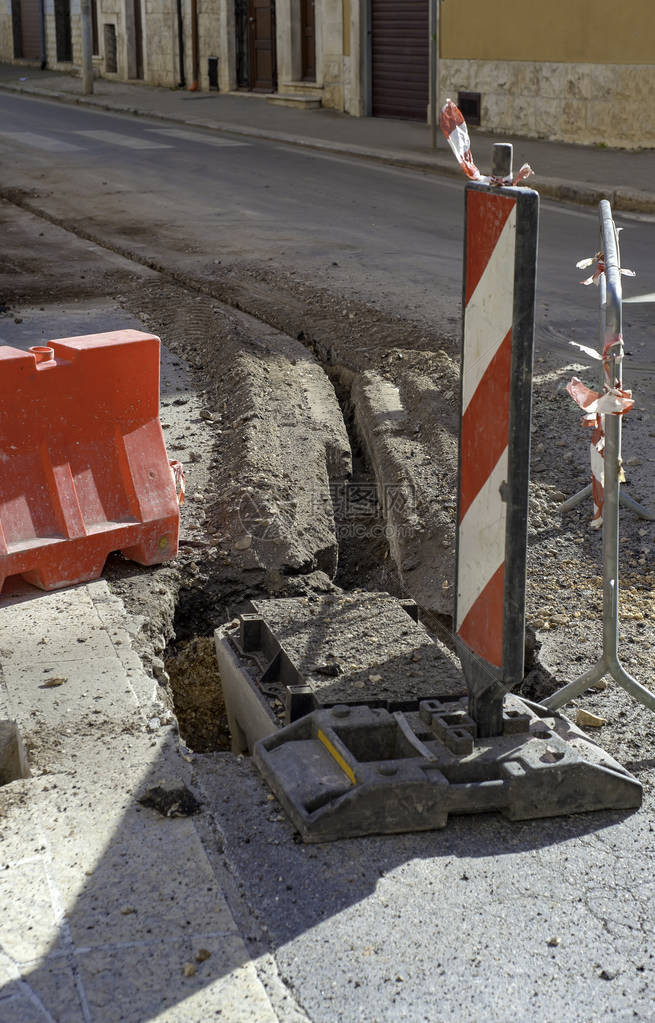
[[87, 47], [609, 663], [434, 72]]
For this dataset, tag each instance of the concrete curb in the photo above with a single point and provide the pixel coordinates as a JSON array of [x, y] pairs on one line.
[[419, 520], [562, 189]]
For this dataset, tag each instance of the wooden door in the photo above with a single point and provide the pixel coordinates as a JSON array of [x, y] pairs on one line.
[[26, 26], [261, 45], [400, 58], [63, 37], [241, 23], [308, 40], [30, 27]]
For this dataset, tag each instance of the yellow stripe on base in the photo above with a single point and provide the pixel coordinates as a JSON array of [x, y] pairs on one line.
[[334, 753]]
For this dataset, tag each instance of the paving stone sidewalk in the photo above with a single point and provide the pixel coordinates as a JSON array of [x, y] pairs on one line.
[[111, 911]]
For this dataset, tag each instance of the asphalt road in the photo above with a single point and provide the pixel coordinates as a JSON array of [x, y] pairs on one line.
[[389, 236]]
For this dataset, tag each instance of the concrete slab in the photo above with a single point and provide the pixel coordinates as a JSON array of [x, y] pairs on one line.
[[29, 927], [408, 433], [360, 647], [53, 627], [118, 892], [52, 997], [153, 974], [486, 920], [83, 687], [111, 910]]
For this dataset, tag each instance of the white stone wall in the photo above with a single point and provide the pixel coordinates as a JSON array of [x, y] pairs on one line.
[[160, 45], [227, 58], [6, 32], [209, 37], [112, 12], [354, 63], [329, 51], [287, 40], [213, 20], [601, 104]]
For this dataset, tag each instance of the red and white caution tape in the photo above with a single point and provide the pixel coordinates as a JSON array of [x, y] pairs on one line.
[[599, 260], [456, 131], [611, 401], [595, 405], [177, 472]]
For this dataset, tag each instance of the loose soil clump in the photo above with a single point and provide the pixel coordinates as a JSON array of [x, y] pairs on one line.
[[198, 695]]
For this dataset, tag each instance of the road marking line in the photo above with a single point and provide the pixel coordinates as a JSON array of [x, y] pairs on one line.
[[192, 136], [636, 299], [114, 138], [47, 142]]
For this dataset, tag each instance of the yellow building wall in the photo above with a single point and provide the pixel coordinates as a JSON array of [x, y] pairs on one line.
[[577, 31]]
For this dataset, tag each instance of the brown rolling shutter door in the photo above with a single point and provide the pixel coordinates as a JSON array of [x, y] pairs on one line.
[[30, 22], [400, 58]]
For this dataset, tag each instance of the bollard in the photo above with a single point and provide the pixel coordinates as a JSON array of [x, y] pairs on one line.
[[494, 452]]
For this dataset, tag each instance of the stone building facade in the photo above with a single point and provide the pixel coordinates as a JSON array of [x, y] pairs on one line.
[[576, 73], [564, 71]]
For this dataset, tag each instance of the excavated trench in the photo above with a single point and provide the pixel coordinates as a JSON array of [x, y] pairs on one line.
[[358, 346], [199, 318], [203, 603], [367, 355], [210, 584]]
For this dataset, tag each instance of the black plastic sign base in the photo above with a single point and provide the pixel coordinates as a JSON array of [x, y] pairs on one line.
[[353, 771]]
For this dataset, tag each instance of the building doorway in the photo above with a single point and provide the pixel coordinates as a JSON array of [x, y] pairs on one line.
[[26, 24], [255, 45], [400, 58], [63, 37], [308, 33]]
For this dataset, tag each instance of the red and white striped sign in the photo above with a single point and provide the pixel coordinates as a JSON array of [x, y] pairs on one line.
[[484, 439]]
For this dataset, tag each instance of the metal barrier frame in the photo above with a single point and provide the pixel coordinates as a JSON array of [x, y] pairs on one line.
[[611, 303]]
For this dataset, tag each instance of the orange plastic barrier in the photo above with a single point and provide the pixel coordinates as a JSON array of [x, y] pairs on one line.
[[83, 465]]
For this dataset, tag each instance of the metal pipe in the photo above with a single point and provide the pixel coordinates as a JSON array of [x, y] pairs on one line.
[[434, 105], [195, 60], [501, 160], [44, 50], [87, 47], [180, 43], [616, 303]]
